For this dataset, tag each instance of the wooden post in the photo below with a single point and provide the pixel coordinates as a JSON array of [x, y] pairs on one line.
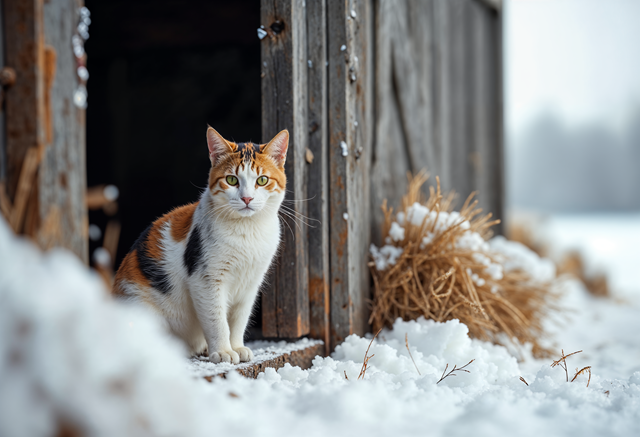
[[318, 173], [45, 144], [285, 305], [350, 100], [24, 101]]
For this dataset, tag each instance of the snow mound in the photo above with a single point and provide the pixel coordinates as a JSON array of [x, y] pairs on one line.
[[72, 355], [69, 354]]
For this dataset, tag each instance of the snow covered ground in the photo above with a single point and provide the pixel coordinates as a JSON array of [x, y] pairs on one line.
[[69, 355]]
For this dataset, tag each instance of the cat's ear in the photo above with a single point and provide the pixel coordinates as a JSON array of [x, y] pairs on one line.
[[218, 146], [277, 148]]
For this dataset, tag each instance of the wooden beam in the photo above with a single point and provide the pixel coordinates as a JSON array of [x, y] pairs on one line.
[[285, 305], [42, 121], [350, 137], [24, 101], [62, 178], [302, 358], [318, 172]]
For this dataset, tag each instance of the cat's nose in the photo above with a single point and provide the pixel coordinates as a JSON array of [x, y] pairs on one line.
[[247, 200]]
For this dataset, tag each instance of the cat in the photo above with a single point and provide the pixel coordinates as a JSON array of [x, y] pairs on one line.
[[201, 265]]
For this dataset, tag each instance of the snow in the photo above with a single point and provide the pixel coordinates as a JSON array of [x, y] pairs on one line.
[[396, 232], [71, 354], [345, 148], [516, 256], [608, 242], [386, 256]]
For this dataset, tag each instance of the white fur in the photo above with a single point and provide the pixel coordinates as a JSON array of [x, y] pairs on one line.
[[211, 307]]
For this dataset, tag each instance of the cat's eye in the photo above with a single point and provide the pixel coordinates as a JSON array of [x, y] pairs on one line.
[[232, 180], [262, 180]]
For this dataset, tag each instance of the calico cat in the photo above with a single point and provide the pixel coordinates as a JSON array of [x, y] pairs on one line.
[[200, 266]]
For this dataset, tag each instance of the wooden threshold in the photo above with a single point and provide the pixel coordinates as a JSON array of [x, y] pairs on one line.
[[267, 354]]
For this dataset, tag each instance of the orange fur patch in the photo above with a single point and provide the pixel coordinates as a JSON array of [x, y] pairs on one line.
[[129, 271], [154, 239], [181, 219]]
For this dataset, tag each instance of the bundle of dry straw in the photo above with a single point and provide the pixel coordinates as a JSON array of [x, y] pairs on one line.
[[437, 277]]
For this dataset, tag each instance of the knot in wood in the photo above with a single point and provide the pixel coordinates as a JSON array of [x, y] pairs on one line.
[[277, 26], [7, 76]]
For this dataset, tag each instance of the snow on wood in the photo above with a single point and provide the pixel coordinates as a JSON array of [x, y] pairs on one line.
[[267, 354]]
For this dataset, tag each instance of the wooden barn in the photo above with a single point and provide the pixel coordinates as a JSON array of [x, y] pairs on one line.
[[369, 90]]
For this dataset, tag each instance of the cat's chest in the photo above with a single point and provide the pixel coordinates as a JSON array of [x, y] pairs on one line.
[[251, 246]]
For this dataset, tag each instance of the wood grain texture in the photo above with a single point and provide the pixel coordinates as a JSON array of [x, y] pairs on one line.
[[62, 178], [350, 46], [284, 106], [40, 115], [24, 101], [438, 100], [317, 172]]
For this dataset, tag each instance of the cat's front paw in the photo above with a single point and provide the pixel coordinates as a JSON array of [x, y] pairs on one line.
[[229, 356], [244, 353]]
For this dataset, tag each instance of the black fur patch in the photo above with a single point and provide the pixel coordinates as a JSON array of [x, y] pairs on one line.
[[194, 254], [248, 151], [150, 267]]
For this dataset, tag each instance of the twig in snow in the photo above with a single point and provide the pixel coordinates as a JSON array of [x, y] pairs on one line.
[[580, 372], [345, 375], [406, 342], [367, 357], [523, 380], [455, 369], [563, 363]]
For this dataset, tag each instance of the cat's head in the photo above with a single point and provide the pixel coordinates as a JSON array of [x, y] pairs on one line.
[[246, 178]]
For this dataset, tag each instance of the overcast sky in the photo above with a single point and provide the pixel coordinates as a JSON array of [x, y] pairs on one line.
[[578, 60], [572, 105]]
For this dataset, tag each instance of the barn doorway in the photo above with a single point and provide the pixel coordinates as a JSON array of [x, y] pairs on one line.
[[161, 71]]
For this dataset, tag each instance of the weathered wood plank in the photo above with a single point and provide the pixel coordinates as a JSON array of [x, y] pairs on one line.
[[350, 136], [318, 172], [3, 140], [40, 115], [24, 102], [302, 358], [284, 106], [390, 158], [436, 92], [62, 179], [442, 96], [461, 68]]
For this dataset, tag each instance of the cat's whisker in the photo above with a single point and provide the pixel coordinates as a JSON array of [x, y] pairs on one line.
[[299, 213], [296, 219], [293, 219], [297, 200]]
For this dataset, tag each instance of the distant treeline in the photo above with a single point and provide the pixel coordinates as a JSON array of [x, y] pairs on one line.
[[552, 167]]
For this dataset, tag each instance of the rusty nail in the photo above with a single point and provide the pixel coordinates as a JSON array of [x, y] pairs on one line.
[[7, 76]]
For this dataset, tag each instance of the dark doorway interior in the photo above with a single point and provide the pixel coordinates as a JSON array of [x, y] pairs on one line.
[[161, 71]]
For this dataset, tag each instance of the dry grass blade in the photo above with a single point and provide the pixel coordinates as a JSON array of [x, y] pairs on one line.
[[523, 380], [345, 375], [367, 357], [580, 372], [455, 369], [438, 279], [406, 343], [563, 358], [563, 363]]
